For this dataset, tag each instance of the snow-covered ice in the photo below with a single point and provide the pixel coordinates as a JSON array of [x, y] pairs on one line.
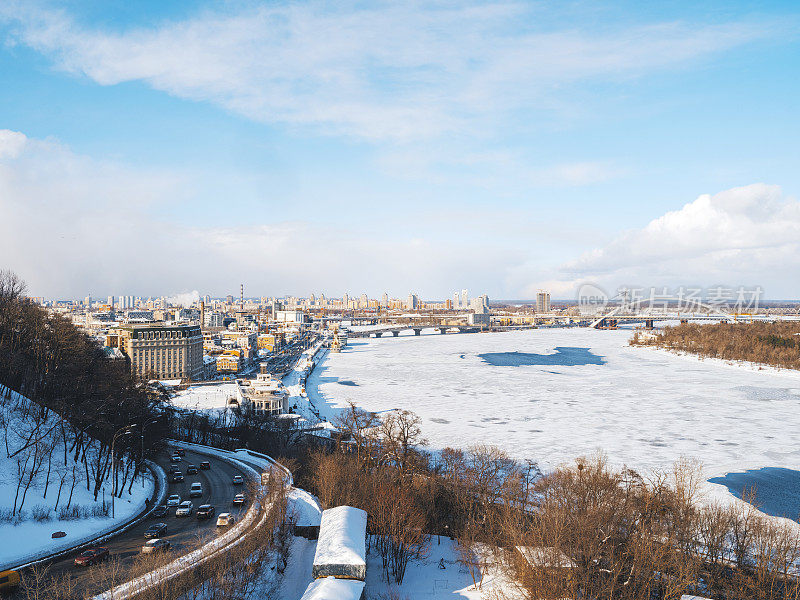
[[644, 408]]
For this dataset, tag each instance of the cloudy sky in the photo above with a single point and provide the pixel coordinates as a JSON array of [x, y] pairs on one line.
[[158, 147]]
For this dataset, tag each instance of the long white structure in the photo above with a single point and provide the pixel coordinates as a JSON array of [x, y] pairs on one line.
[[342, 545], [331, 588]]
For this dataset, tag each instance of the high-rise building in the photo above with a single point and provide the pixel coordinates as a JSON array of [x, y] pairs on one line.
[[464, 299], [542, 301], [413, 302], [385, 300], [88, 301], [345, 302]]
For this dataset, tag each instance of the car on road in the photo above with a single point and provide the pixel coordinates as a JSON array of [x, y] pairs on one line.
[[205, 465], [173, 500], [185, 509], [180, 452], [225, 519], [160, 511], [89, 557], [177, 476], [205, 511], [175, 458], [238, 499], [155, 530], [238, 480], [196, 490], [154, 546], [191, 470]]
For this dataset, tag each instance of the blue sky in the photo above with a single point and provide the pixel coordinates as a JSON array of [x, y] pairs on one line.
[[157, 147]]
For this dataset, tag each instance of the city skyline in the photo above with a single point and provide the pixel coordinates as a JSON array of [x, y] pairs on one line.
[[300, 146]]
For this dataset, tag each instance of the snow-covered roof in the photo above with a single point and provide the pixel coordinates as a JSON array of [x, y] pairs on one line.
[[303, 507], [331, 588], [342, 537]]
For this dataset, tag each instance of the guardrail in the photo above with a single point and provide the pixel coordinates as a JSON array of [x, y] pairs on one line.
[[184, 564], [93, 539]]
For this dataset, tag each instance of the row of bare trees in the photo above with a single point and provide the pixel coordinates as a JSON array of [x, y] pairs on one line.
[[776, 344]]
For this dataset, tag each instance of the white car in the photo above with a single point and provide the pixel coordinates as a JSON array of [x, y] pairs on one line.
[[185, 509], [173, 500], [156, 545], [238, 499], [225, 519]]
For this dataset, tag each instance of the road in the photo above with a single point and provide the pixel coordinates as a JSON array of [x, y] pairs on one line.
[[182, 533]]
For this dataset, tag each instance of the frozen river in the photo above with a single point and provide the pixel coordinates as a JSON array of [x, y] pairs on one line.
[[554, 394]]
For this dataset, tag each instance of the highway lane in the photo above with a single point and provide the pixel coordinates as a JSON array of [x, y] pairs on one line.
[[183, 533]]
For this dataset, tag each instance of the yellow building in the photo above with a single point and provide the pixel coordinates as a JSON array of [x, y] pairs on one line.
[[229, 361], [161, 351]]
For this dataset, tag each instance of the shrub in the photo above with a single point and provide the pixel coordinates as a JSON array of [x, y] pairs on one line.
[[41, 513]]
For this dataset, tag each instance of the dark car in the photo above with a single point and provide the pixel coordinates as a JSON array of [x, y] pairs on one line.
[[238, 480], [91, 556], [191, 470], [180, 452], [160, 511], [206, 511], [238, 499], [205, 465], [177, 476], [155, 530], [175, 458]]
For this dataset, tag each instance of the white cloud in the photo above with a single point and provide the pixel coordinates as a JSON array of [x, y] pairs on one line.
[[381, 70], [743, 236], [11, 143], [185, 299], [73, 226]]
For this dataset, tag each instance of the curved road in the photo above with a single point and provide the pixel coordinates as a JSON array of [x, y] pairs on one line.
[[218, 490]]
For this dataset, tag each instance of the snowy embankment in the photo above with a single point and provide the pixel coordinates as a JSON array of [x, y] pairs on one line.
[[44, 490]]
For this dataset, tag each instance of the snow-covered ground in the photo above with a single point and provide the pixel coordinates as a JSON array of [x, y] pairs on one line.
[[424, 578], [23, 539], [205, 397], [642, 407]]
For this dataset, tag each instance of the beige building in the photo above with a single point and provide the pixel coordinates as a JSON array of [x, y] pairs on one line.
[[162, 351]]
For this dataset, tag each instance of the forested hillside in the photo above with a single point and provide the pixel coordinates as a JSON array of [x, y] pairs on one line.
[[70, 394], [774, 344]]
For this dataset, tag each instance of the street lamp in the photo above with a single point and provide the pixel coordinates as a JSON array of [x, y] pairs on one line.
[[141, 472], [122, 431]]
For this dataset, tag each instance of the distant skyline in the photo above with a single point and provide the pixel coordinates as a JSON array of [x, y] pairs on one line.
[[161, 147]]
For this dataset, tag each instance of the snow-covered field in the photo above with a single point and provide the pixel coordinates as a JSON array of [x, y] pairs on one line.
[[644, 408], [205, 397]]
